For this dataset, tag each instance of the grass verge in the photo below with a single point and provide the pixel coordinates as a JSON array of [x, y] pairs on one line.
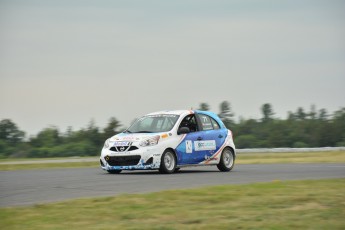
[[311, 204], [242, 158]]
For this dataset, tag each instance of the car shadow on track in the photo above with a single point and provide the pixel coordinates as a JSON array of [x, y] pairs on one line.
[[156, 172]]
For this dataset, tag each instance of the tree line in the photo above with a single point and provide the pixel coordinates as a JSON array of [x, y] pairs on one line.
[[313, 128]]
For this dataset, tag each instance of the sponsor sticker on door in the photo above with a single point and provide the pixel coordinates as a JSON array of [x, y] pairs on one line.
[[189, 146], [205, 145]]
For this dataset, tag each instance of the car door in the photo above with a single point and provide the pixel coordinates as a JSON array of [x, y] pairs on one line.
[[185, 151], [211, 137], [201, 144]]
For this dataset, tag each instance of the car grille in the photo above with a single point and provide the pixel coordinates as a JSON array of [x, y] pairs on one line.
[[123, 148], [123, 160]]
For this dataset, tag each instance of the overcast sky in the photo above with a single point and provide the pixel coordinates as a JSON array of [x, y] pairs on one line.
[[66, 62]]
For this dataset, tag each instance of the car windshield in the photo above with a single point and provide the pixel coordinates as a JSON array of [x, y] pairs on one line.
[[153, 124]]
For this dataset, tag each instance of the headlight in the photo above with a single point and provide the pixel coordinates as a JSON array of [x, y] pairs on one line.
[[150, 141], [106, 144]]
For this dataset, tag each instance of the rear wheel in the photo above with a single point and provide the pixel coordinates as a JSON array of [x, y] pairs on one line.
[[114, 171], [227, 160], [168, 162]]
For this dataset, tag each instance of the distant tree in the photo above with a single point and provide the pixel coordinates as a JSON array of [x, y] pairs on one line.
[[204, 106], [340, 115], [48, 137], [300, 129], [300, 114], [312, 113], [339, 126], [112, 128], [9, 132], [226, 114], [291, 116], [3, 149], [247, 141], [299, 144], [323, 115], [267, 112], [92, 125], [92, 134], [69, 131]]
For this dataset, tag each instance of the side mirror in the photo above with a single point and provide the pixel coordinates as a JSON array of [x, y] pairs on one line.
[[183, 130]]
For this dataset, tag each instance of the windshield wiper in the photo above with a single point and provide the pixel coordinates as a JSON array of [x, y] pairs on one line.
[[143, 131], [127, 131]]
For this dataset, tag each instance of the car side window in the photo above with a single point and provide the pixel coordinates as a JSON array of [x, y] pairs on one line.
[[206, 122], [189, 122], [215, 124]]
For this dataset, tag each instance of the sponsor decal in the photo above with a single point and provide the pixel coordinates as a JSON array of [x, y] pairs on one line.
[[128, 138], [121, 143], [189, 146], [205, 145]]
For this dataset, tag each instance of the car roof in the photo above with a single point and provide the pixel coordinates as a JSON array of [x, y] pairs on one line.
[[186, 112], [174, 112], [180, 112]]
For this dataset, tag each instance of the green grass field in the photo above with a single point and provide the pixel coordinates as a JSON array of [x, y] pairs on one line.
[[312, 204], [242, 158]]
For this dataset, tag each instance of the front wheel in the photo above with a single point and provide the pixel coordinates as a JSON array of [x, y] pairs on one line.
[[168, 162], [227, 160]]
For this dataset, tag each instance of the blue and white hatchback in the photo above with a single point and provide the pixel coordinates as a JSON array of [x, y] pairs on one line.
[[170, 140]]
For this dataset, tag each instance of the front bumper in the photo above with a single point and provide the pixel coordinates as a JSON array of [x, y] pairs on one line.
[[143, 158]]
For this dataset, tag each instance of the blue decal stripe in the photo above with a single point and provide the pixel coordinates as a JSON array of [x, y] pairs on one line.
[[182, 138]]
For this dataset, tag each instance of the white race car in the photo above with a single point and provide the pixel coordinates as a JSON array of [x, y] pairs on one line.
[[170, 140]]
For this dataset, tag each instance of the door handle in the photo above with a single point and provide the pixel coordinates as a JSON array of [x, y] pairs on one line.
[[220, 136], [199, 138]]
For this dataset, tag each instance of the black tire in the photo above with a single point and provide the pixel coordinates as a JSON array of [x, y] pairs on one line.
[[227, 160], [168, 162], [114, 171]]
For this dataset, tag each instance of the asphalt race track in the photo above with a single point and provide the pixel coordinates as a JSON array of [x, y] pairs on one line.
[[27, 187]]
